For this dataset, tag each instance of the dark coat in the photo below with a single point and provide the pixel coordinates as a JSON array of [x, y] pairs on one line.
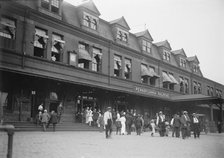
[[183, 121], [176, 122], [138, 122], [54, 118]]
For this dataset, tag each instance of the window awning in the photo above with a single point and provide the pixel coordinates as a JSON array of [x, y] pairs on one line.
[[145, 71], [166, 78], [174, 81], [152, 71], [83, 54]]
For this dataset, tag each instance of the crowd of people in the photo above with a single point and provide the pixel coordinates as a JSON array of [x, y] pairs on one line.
[[44, 119], [126, 122]]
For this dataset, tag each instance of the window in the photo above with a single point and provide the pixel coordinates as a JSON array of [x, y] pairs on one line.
[[57, 47], [7, 28], [152, 80], [45, 4], [117, 66], [40, 42], [84, 56], [218, 93], [94, 24], [97, 59], [122, 35], [181, 84], [146, 46], [211, 91], [166, 80], [199, 88], [72, 58], [166, 55], [87, 20], [195, 68], [90, 21], [51, 5], [144, 74], [127, 68], [186, 85], [55, 6], [182, 62], [195, 87]]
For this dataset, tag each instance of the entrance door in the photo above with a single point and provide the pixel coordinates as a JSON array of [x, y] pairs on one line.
[[53, 106]]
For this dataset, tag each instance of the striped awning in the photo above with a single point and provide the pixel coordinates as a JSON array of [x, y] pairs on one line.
[[174, 81], [83, 54], [166, 78], [152, 71], [145, 71]]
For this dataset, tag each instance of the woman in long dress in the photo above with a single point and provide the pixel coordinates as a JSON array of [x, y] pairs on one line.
[[123, 120]]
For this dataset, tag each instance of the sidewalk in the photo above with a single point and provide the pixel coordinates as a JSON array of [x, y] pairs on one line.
[[94, 145]]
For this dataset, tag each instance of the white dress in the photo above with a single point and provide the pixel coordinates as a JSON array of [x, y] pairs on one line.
[[123, 127]]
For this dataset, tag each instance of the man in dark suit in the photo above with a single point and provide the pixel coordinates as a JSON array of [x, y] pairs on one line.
[[183, 121], [176, 125]]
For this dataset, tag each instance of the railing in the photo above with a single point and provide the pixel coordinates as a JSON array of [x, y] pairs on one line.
[[10, 131]]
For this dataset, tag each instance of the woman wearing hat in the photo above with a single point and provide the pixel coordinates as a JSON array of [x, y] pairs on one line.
[[45, 118]]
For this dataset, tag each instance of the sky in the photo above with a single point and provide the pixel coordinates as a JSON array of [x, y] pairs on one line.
[[197, 26]]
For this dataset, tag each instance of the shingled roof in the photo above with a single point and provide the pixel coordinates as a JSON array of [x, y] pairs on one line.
[[121, 21], [145, 34], [164, 44]]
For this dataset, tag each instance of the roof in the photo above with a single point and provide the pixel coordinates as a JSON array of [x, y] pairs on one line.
[[196, 98], [193, 58], [145, 34], [179, 52], [89, 4], [122, 22], [164, 44]]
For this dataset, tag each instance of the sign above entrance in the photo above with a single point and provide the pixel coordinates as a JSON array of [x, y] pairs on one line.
[[151, 92]]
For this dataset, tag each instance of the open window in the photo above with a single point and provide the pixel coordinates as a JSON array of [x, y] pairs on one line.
[[84, 56], [57, 47], [97, 59], [186, 85], [117, 66], [127, 68], [7, 28], [40, 42]]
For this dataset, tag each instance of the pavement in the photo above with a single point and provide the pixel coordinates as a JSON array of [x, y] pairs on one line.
[[61, 144]]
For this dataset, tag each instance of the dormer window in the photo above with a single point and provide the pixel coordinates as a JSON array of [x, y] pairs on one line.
[[52, 5], [182, 62], [122, 35], [146, 46], [90, 21], [195, 68], [55, 6], [166, 55]]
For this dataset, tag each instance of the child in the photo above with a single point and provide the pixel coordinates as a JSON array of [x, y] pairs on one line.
[[153, 125], [167, 127]]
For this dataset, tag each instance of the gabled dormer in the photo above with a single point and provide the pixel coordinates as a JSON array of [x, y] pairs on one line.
[[51, 7], [181, 58], [164, 50], [120, 30], [145, 41], [88, 15], [194, 65]]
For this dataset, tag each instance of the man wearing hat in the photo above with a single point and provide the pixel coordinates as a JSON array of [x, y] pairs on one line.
[[196, 125], [108, 122], [183, 121], [160, 121]]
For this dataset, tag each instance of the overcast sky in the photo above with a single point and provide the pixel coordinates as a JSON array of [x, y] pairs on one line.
[[197, 26]]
